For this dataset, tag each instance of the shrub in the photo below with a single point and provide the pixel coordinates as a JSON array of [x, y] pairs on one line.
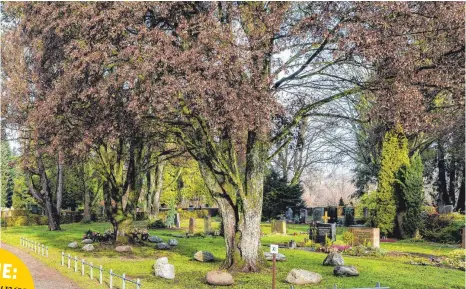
[[158, 224], [361, 250], [456, 259], [348, 238], [22, 221], [441, 228]]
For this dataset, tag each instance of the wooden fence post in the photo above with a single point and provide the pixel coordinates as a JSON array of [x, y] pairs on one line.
[[100, 276], [75, 263], [124, 281], [82, 267], [92, 270], [111, 279]]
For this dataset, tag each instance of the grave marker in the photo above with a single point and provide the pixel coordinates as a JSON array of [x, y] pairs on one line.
[[325, 218], [317, 214], [208, 225], [192, 225], [278, 227], [363, 235], [333, 214], [326, 230]]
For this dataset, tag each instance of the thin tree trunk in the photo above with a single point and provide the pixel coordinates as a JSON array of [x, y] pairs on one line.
[[461, 197], [442, 182], [51, 209], [87, 197], [59, 193], [452, 183]]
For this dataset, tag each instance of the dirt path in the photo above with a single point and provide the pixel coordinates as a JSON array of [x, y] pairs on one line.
[[44, 277]]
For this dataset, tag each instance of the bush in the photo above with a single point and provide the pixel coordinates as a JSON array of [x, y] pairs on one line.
[[22, 221], [348, 238], [456, 259], [158, 224], [361, 250], [441, 228]]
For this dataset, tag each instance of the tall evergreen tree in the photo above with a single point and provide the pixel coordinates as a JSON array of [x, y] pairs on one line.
[[279, 195], [394, 156], [410, 194]]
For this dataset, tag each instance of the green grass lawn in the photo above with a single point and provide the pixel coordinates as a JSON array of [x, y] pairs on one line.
[[389, 271]]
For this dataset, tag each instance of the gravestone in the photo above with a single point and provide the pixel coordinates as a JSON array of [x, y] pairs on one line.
[[326, 230], [333, 214], [177, 221], [192, 225], [302, 216], [445, 209], [289, 215], [366, 213], [349, 216], [308, 216], [278, 227], [207, 225], [363, 235], [317, 214]]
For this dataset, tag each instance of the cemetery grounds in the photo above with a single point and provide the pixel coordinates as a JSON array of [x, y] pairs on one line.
[[394, 268]]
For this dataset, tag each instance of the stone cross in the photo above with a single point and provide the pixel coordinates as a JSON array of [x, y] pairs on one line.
[[192, 225], [325, 218]]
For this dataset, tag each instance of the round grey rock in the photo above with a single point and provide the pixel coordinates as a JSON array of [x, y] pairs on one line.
[[204, 256], [87, 241], [302, 277], [121, 249], [219, 278], [73, 245], [155, 239], [163, 246], [88, 248], [348, 271], [163, 269], [334, 259], [173, 242]]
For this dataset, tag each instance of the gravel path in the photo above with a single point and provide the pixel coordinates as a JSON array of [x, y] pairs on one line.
[[44, 277]]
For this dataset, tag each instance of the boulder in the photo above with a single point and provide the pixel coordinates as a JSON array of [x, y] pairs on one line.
[[88, 247], [219, 278], [301, 277], [204, 256], [87, 241], [121, 249], [345, 271], [334, 259], [154, 239], [269, 256], [163, 269], [163, 246], [73, 245], [173, 242]]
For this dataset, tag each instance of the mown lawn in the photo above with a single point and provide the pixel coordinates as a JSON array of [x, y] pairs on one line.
[[389, 271]]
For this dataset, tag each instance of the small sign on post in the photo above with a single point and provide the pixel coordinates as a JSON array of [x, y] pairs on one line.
[[274, 252]]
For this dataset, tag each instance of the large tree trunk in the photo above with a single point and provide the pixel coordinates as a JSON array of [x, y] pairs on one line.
[[444, 199], [156, 188], [52, 211]]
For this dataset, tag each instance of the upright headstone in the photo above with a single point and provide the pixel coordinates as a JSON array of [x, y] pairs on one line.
[[302, 216], [333, 214], [207, 225], [289, 215], [326, 230], [278, 227], [363, 236], [366, 213], [317, 214], [177, 221], [349, 216], [192, 225]]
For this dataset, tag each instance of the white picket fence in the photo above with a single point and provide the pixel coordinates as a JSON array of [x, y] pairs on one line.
[[34, 246], [83, 263]]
